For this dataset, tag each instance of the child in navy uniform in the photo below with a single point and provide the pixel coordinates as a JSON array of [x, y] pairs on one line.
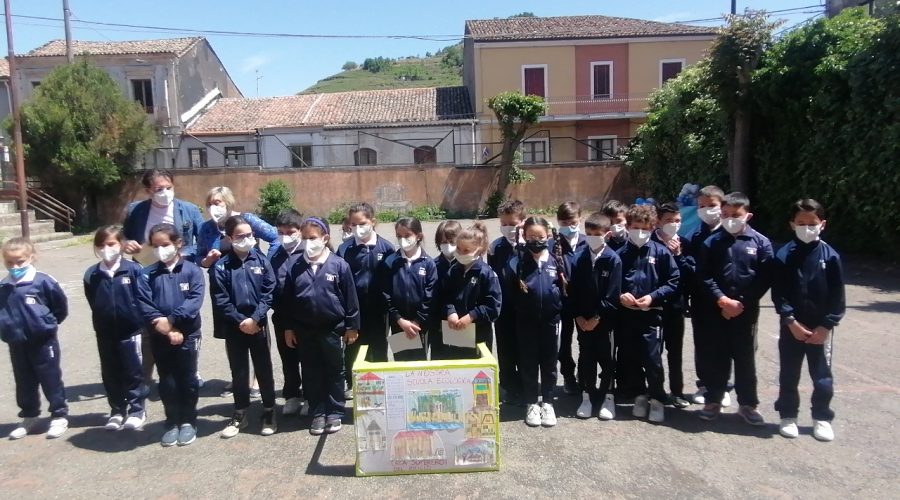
[[407, 283], [32, 305], [471, 292], [288, 225], [539, 280], [649, 280], [512, 215], [568, 218], [616, 210], [111, 287], [808, 291], [170, 298], [364, 252], [242, 286], [324, 311], [596, 284], [445, 240], [736, 268]]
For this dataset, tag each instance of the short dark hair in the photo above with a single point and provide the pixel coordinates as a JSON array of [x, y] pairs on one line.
[[598, 222], [613, 208], [363, 207], [149, 175], [670, 207], [737, 199], [447, 230], [411, 223], [167, 229], [512, 207], [568, 210], [712, 191], [641, 214], [807, 205], [105, 232], [289, 217], [232, 222]]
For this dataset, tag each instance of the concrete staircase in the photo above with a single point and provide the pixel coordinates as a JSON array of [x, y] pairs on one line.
[[41, 230]]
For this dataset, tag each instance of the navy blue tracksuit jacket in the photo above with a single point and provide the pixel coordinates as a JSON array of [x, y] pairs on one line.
[[114, 300], [809, 284], [739, 267], [595, 286], [474, 291], [176, 295], [243, 288], [281, 262], [31, 311], [408, 290], [364, 260], [650, 269], [324, 300]]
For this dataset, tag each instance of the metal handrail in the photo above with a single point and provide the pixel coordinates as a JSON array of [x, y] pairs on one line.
[[40, 201]]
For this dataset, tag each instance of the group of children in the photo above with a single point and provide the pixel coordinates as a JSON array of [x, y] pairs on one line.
[[624, 283]]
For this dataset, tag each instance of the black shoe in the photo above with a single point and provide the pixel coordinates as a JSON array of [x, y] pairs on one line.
[[333, 425], [679, 401], [317, 427], [570, 387]]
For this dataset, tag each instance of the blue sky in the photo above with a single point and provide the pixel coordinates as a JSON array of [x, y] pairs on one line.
[[289, 65]]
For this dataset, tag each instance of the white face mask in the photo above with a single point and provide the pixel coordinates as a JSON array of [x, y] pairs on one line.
[[639, 237], [465, 259], [710, 215], [509, 232], [289, 241], [164, 197], [449, 250], [408, 244], [808, 234], [619, 231], [671, 229], [110, 254], [217, 212], [313, 248], [245, 245], [346, 235], [362, 231], [596, 243], [734, 225], [166, 253]]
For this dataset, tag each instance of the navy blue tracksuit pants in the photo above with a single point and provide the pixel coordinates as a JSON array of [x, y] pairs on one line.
[[673, 340], [237, 346], [567, 331], [508, 353], [122, 373], [538, 353], [177, 369], [36, 364], [642, 330], [596, 347], [818, 358], [322, 363], [290, 367], [733, 339]]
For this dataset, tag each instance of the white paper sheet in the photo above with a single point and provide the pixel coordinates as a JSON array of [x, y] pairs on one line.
[[399, 342], [459, 338]]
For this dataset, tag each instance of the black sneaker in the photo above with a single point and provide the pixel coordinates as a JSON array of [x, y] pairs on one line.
[[679, 401], [333, 425], [317, 427]]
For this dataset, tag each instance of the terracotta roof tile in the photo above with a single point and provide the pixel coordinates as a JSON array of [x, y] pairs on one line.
[[366, 107], [176, 46], [574, 27]]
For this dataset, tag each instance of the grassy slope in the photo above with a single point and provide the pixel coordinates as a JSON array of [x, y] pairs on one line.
[[430, 71]]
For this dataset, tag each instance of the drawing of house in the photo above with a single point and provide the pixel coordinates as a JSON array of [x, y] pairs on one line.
[[370, 391], [475, 452], [371, 437], [434, 410], [481, 387], [416, 445]]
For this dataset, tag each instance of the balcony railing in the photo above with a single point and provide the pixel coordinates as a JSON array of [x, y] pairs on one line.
[[596, 105]]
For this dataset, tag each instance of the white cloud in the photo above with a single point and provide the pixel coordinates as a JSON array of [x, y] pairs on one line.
[[254, 62]]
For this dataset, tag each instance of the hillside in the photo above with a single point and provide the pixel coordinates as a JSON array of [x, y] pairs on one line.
[[409, 72]]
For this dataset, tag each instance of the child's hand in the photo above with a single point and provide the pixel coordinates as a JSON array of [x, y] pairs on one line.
[[581, 321], [162, 325], [453, 321], [799, 331], [730, 308], [350, 336], [464, 322], [290, 339], [211, 258], [410, 328], [819, 336], [249, 326], [674, 246], [131, 247], [644, 302], [175, 338], [627, 299], [589, 325]]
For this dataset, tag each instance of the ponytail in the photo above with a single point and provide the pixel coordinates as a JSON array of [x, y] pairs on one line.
[[560, 264], [521, 253]]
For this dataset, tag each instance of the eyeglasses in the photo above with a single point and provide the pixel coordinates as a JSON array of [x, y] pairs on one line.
[[241, 237]]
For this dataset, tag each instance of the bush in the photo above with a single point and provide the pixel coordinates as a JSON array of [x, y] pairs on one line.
[[349, 66], [377, 64], [337, 214], [274, 197], [423, 213], [427, 212], [387, 215]]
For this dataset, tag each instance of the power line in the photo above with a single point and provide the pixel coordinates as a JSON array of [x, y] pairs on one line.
[[768, 13], [798, 25]]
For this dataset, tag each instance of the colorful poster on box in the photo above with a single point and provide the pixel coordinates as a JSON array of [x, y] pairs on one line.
[[425, 417]]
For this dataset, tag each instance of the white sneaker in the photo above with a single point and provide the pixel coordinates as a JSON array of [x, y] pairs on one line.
[[533, 415], [114, 423], [585, 410], [822, 431], [726, 399], [657, 411], [699, 397], [292, 406], [24, 428], [641, 406], [608, 410], [58, 427], [135, 422], [233, 428], [788, 428], [548, 415]]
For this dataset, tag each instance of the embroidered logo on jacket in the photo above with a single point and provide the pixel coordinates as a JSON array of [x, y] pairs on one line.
[[379, 256], [184, 287], [126, 280], [256, 270], [30, 300], [330, 277], [751, 250], [421, 271], [652, 261]]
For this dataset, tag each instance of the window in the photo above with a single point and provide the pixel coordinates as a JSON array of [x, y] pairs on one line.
[[365, 156], [424, 154], [301, 155], [35, 84], [143, 93], [197, 157], [668, 69], [602, 79], [602, 147], [234, 156], [534, 151], [534, 80]]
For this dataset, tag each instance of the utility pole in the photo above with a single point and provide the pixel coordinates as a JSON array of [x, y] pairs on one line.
[[258, 78], [733, 7], [17, 123], [70, 54]]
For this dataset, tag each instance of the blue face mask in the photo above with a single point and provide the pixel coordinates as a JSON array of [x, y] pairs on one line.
[[18, 273], [568, 231]]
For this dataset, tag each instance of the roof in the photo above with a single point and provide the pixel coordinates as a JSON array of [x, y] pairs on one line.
[[574, 27], [4, 68], [394, 107], [370, 376], [175, 46]]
